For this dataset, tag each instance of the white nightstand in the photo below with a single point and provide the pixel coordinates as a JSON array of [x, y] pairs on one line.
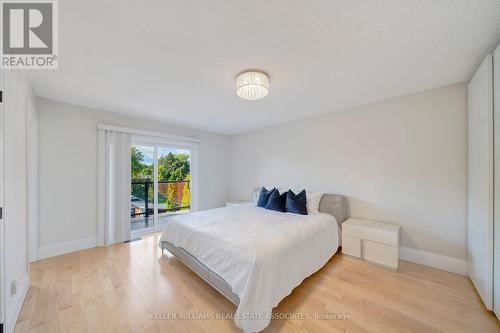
[[371, 240], [236, 203]]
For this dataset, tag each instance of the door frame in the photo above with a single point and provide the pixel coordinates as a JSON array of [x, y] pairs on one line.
[[33, 177], [136, 233], [496, 194], [2, 234]]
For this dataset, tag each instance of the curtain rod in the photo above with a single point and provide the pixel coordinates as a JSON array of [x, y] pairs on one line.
[[146, 133]]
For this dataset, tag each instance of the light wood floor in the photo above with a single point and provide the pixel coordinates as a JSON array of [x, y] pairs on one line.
[[117, 288]]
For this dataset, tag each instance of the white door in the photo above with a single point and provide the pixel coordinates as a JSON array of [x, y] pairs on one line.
[[496, 252], [480, 181], [16, 276]]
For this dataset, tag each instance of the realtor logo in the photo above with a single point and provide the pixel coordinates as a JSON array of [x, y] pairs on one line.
[[29, 38]]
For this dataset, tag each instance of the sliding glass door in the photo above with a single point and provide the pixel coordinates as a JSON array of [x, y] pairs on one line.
[[174, 172], [160, 184], [142, 187]]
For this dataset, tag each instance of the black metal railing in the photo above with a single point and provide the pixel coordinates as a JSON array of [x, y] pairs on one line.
[[176, 196]]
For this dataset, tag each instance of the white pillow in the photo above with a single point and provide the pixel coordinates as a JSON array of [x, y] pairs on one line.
[[313, 199]]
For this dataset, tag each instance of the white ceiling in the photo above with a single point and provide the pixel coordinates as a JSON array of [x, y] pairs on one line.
[[176, 61]]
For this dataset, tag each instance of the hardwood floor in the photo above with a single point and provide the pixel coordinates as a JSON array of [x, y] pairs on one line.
[[118, 288]]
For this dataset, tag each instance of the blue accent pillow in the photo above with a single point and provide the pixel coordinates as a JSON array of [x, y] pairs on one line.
[[264, 197], [296, 203], [277, 201]]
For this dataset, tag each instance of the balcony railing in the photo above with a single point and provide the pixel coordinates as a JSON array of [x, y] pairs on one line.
[[172, 196]]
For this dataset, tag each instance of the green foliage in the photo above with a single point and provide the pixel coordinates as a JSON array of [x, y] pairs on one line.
[[138, 190], [173, 167], [138, 169], [136, 158], [186, 196], [170, 203]]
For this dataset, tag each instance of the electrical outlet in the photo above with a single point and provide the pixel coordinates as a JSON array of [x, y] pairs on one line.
[[13, 288]]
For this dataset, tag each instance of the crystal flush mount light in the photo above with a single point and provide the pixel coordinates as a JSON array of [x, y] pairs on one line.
[[252, 85]]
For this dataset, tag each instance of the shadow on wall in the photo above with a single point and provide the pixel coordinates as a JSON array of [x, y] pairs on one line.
[[410, 237], [371, 212]]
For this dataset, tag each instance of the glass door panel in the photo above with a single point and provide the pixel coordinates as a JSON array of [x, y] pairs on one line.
[[142, 187], [174, 172]]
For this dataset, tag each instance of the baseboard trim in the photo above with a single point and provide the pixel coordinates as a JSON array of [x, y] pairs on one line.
[[66, 247], [23, 291], [435, 260]]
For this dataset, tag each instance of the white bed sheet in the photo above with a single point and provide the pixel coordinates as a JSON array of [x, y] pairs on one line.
[[262, 254]]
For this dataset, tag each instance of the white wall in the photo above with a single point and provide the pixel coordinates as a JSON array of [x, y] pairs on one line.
[[68, 171], [15, 238], [402, 160]]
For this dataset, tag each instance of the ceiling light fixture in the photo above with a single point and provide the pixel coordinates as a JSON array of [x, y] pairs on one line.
[[252, 85]]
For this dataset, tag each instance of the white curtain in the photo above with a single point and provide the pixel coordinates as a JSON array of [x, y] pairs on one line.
[[113, 187]]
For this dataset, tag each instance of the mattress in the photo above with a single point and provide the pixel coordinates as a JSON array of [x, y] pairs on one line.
[[260, 254]]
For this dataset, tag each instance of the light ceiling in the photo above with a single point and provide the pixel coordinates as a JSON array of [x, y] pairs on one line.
[[252, 85], [176, 61]]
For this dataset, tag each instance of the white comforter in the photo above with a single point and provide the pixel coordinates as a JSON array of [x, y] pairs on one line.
[[262, 254]]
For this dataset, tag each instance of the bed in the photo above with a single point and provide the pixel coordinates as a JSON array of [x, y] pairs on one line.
[[253, 256]]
